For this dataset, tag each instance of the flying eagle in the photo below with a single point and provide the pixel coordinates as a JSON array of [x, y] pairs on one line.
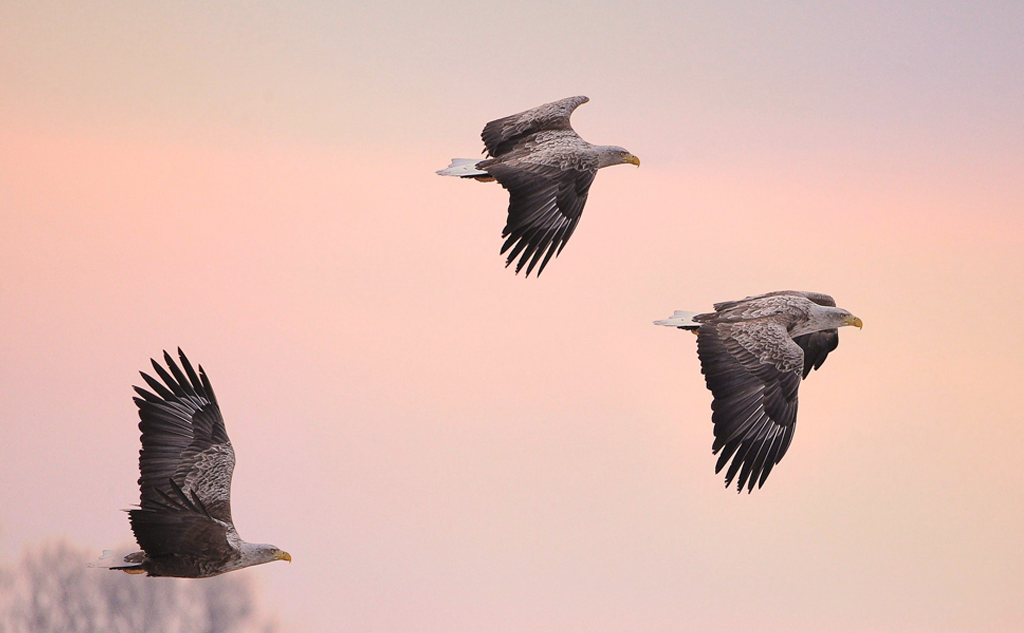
[[183, 522], [753, 354], [547, 169]]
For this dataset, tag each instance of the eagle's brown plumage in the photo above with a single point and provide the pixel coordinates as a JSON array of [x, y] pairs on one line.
[[547, 169], [183, 522], [754, 353]]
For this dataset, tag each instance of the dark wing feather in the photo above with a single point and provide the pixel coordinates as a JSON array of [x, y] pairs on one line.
[[755, 398], [545, 205], [184, 442], [502, 135], [180, 526], [817, 346]]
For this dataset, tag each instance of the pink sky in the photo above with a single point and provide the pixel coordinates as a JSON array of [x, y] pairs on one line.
[[444, 446]]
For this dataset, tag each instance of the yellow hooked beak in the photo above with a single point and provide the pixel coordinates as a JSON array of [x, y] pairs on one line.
[[632, 160], [283, 556], [852, 320]]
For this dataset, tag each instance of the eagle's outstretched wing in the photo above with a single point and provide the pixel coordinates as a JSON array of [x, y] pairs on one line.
[[185, 465]]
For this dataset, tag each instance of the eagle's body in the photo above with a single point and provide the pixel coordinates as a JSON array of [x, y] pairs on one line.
[[547, 169], [183, 522], [753, 354]]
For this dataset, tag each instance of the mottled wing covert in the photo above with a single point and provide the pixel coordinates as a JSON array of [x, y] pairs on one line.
[[501, 135]]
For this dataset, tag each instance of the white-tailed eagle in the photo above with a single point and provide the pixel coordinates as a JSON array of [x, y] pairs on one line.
[[547, 169], [183, 522], [753, 354]]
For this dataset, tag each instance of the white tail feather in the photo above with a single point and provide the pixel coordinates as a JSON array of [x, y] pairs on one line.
[[112, 558], [680, 319], [463, 168]]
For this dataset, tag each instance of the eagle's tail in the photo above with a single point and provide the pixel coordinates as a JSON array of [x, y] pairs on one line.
[[680, 319], [465, 168], [123, 560]]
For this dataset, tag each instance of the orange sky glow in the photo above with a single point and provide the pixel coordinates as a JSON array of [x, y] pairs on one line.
[[445, 446]]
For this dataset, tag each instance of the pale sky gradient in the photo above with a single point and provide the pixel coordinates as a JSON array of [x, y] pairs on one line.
[[444, 446]]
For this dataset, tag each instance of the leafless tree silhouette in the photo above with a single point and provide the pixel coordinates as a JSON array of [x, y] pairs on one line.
[[50, 590]]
